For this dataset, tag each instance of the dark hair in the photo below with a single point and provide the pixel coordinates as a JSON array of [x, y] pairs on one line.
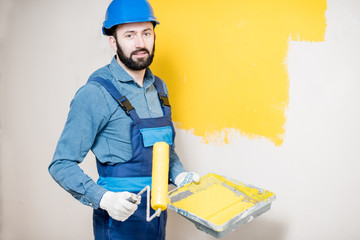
[[111, 31]]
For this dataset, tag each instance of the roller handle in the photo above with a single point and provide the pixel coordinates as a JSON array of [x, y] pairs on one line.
[[133, 199]]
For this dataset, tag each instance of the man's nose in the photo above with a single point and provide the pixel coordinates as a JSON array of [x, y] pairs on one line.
[[139, 42]]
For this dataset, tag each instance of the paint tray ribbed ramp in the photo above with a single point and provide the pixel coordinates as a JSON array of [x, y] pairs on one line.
[[218, 205]]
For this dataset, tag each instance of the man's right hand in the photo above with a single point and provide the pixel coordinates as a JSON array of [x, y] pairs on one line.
[[117, 204]]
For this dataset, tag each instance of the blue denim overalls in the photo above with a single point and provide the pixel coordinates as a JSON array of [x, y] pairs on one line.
[[134, 174]]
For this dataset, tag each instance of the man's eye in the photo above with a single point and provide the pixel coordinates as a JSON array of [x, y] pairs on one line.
[[128, 36], [147, 34]]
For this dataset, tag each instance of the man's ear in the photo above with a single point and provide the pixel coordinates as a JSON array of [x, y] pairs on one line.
[[112, 42]]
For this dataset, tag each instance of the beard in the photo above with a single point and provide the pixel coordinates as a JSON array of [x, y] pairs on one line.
[[140, 64]]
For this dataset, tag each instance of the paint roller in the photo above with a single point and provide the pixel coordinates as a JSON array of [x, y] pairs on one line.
[[159, 185], [160, 176]]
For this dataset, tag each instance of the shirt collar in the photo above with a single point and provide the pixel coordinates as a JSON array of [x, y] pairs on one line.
[[121, 75]]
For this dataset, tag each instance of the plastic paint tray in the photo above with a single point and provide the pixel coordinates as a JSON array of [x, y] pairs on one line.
[[217, 205]]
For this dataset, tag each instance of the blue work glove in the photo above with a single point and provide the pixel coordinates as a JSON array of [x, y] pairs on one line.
[[185, 178]]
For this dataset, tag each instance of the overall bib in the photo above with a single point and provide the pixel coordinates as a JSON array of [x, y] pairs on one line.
[[134, 174]]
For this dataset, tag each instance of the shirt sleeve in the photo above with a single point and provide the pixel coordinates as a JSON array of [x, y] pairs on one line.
[[89, 113], [175, 165]]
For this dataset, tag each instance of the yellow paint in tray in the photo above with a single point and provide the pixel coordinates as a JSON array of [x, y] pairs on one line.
[[216, 199]]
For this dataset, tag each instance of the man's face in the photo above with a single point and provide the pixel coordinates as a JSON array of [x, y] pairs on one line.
[[135, 43]]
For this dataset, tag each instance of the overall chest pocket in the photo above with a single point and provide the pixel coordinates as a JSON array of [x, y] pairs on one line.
[[151, 136]]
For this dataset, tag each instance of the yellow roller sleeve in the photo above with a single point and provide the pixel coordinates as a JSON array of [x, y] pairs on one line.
[[160, 175]]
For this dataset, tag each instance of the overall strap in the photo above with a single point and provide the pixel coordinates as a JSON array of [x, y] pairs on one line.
[[163, 97], [123, 102]]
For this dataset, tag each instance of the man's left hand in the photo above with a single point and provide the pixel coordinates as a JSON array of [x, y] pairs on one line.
[[185, 178]]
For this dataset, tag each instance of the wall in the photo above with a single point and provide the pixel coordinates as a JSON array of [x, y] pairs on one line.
[[307, 154]]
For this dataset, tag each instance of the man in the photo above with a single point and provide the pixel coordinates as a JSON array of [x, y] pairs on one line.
[[118, 115]]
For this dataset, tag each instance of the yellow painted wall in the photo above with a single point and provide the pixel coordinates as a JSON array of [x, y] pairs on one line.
[[225, 62]]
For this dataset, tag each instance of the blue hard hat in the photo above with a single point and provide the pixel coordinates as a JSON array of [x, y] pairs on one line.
[[128, 11]]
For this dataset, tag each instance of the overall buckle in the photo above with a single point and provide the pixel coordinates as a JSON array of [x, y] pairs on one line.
[[125, 105], [164, 100]]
